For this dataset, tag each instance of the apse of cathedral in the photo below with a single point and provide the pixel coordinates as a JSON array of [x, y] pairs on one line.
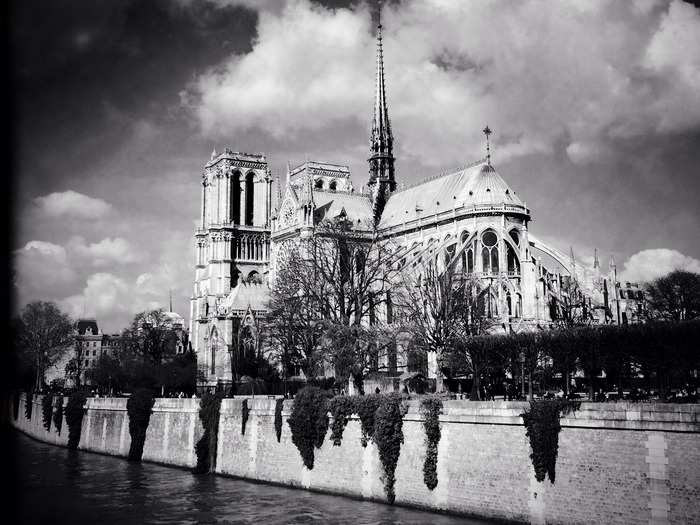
[[471, 217]]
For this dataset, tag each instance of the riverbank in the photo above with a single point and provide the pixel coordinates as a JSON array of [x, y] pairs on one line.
[[617, 462]]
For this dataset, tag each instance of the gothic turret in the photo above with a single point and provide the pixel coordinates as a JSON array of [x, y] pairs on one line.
[[381, 160]]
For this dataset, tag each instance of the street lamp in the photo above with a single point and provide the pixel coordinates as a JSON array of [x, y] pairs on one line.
[[522, 375]]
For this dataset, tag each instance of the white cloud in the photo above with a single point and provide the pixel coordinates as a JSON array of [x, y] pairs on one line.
[[41, 270], [588, 75], [647, 265], [72, 204], [105, 252]]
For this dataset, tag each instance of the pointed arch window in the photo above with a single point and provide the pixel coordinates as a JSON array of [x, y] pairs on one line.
[[332, 185], [249, 199], [319, 184], [513, 262], [489, 252], [235, 198]]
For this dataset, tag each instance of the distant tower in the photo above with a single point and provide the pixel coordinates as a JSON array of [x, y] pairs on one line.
[[381, 160]]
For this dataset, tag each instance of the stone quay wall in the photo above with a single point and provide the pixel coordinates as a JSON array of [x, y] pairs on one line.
[[618, 463]]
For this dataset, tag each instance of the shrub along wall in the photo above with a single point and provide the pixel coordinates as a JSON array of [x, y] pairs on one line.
[[139, 408], [74, 418]]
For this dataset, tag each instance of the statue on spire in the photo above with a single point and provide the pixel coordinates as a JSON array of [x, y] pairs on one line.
[[381, 160]]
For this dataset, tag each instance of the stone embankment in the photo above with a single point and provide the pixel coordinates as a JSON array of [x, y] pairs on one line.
[[617, 462]]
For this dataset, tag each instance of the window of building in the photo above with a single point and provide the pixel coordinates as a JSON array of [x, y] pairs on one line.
[[463, 238], [319, 184], [249, 198], [235, 198], [514, 235], [489, 252], [332, 186]]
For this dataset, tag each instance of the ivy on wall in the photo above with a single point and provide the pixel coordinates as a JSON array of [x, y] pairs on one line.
[[58, 414], [46, 410], [209, 410], [309, 422], [279, 404], [341, 408], [431, 408], [366, 407], [74, 418], [388, 435], [245, 412], [139, 408], [29, 401], [542, 427]]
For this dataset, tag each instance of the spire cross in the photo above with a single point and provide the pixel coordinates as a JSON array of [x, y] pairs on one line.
[[487, 131]]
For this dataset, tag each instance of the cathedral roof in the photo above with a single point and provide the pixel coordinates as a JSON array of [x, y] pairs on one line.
[[255, 295], [358, 207], [478, 187]]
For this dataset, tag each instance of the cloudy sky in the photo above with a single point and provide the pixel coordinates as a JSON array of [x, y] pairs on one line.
[[595, 107]]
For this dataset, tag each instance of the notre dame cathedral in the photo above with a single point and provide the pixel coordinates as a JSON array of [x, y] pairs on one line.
[[471, 216]]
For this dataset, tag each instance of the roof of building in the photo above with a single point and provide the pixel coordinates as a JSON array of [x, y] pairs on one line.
[[255, 295], [84, 325], [479, 184], [329, 204]]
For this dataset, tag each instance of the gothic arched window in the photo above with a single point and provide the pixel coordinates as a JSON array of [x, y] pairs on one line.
[[513, 263], [235, 199], [463, 238], [213, 343], [249, 199], [319, 184], [514, 235], [489, 252], [332, 186]]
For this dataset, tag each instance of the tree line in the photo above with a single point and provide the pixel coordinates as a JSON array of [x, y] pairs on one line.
[[146, 355]]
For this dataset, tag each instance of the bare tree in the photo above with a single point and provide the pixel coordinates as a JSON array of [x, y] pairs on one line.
[[675, 297], [43, 335], [150, 336], [326, 294]]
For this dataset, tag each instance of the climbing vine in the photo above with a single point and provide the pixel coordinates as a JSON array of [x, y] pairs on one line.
[[58, 414], [28, 403], [139, 408], [431, 408], [388, 435], [209, 410], [542, 427], [74, 418], [309, 422], [366, 407], [245, 412], [341, 408], [46, 410], [279, 404]]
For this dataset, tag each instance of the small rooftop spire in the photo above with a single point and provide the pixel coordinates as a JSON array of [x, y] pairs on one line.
[[596, 262], [214, 154], [170, 293], [571, 255], [487, 131]]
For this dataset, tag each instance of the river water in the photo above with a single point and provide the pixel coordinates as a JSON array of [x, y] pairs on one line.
[[56, 485]]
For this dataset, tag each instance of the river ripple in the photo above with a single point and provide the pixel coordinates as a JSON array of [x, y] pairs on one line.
[[61, 486]]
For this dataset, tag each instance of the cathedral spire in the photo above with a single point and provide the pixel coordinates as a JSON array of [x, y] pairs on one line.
[[487, 131], [596, 262], [381, 160]]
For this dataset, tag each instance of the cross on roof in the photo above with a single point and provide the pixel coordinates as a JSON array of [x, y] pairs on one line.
[[487, 131]]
